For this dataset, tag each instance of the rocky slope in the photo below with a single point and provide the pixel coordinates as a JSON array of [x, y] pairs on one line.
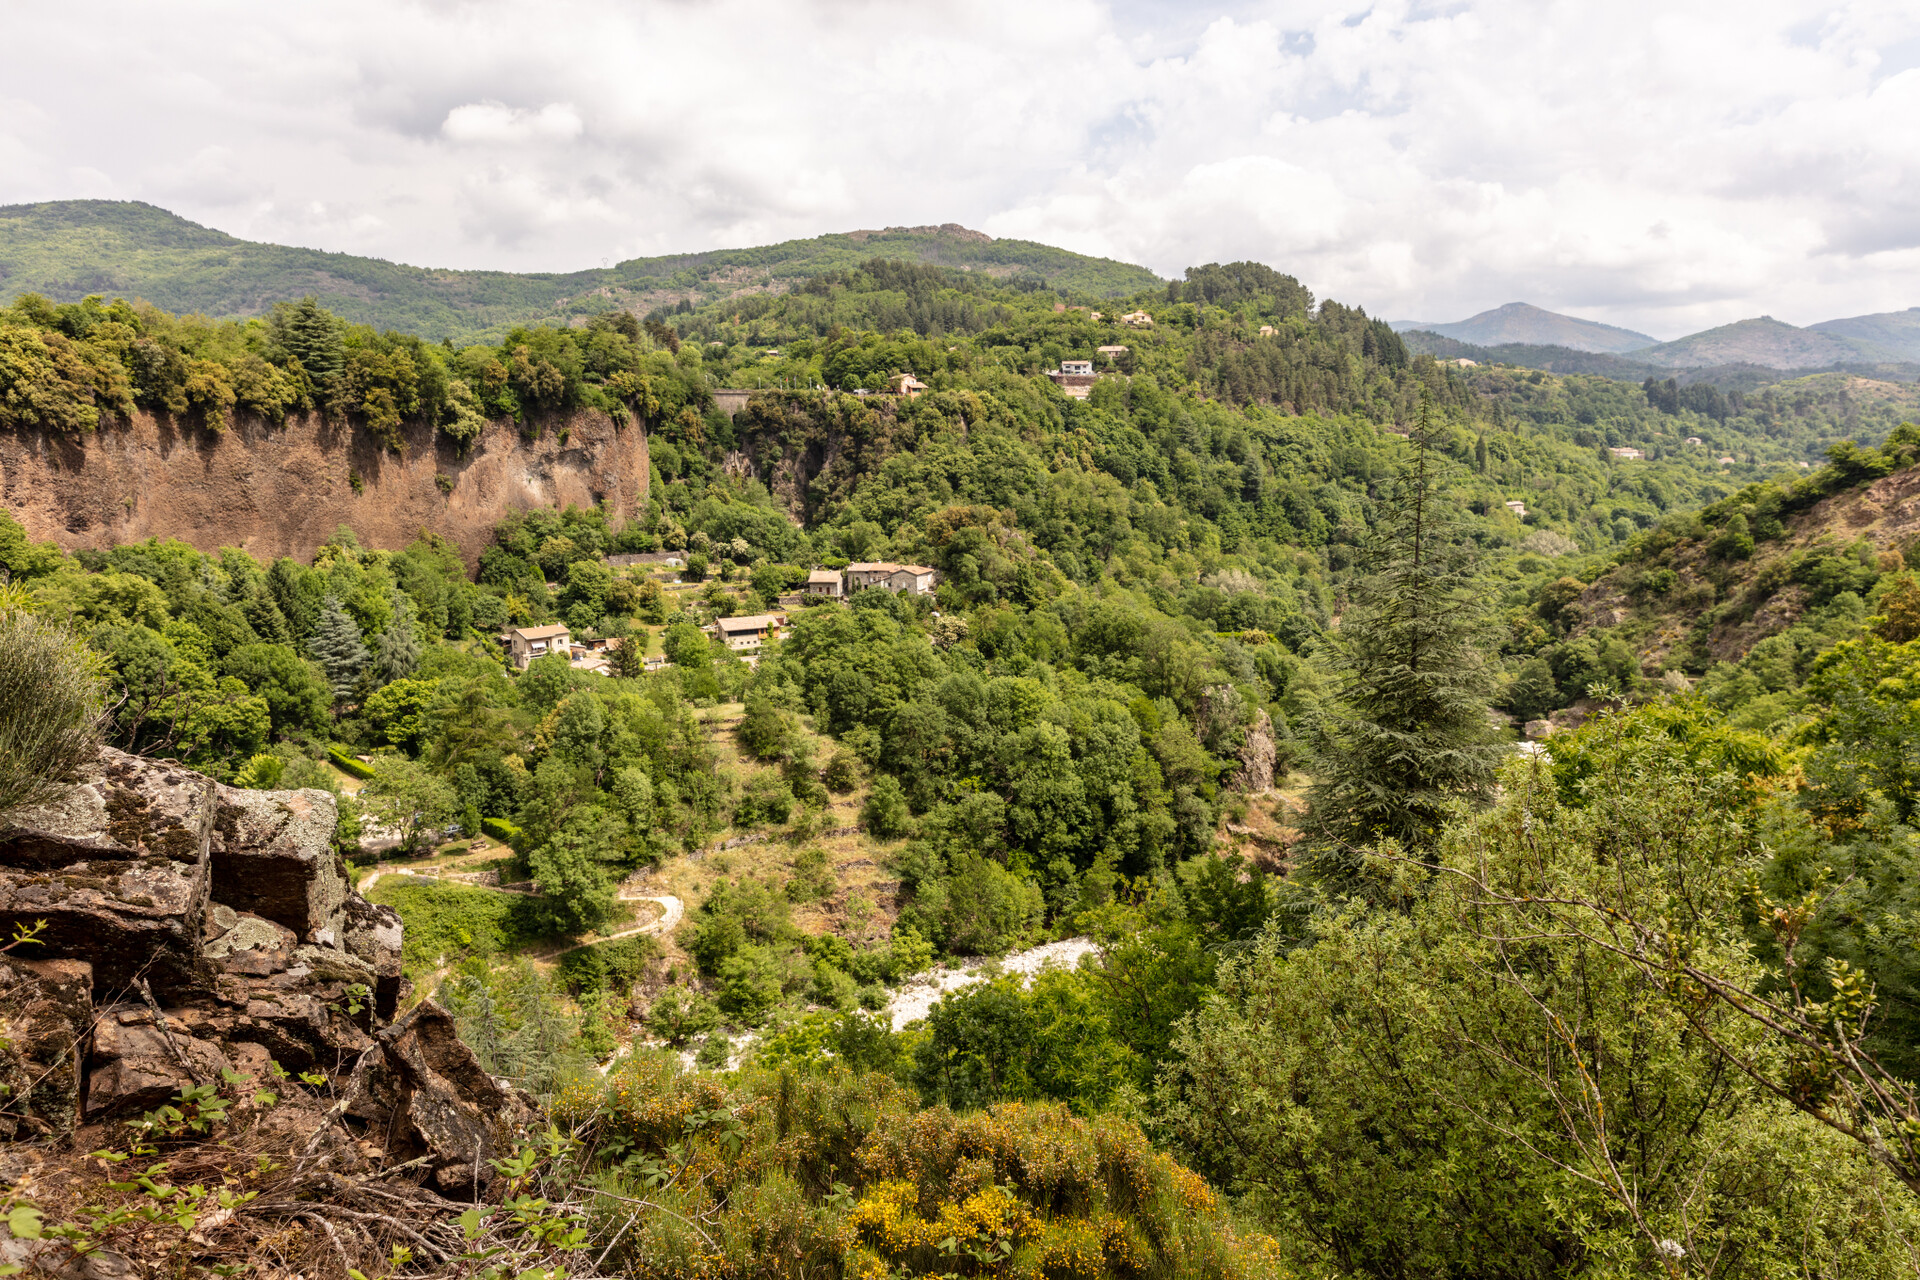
[[195, 934], [283, 490], [1681, 606]]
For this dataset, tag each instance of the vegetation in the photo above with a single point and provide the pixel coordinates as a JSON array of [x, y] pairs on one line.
[[50, 705], [67, 249], [1644, 1004]]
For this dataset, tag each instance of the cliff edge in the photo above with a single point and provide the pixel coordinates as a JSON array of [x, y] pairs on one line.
[[277, 490]]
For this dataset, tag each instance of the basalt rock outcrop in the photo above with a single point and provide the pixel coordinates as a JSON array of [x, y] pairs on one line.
[[184, 933]]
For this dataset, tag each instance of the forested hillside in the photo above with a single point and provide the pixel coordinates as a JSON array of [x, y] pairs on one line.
[[1212, 678], [67, 249]]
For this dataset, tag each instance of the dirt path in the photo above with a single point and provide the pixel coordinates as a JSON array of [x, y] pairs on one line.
[[672, 911]]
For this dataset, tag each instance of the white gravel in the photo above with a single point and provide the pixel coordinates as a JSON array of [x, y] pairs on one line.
[[912, 1001]]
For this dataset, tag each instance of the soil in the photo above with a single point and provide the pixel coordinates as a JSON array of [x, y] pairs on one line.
[[283, 490]]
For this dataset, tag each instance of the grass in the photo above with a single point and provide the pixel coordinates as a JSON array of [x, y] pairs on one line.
[[446, 923]]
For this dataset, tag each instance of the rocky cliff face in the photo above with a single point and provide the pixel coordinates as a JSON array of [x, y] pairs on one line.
[[283, 490], [193, 930]]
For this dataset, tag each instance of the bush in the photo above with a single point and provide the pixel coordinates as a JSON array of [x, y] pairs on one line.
[[50, 707], [842, 773], [347, 764], [885, 814], [502, 830], [679, 1015], [844, 1174]]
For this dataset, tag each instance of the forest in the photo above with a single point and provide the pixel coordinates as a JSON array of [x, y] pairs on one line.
[[1226, 671]]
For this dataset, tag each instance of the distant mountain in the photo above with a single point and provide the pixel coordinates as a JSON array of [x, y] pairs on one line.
[[67, 249], [1891, 335], [1528, 325], [1763, 341]]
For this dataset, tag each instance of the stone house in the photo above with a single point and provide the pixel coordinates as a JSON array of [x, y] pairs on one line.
[[914, 578], [825, 582]]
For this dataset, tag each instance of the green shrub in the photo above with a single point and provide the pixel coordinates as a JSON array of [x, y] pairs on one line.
[[347, 763], [500, 829], [50, 707]]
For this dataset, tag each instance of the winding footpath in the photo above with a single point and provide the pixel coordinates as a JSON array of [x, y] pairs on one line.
[[672, 911]]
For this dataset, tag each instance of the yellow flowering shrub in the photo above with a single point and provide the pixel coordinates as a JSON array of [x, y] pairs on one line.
[[838, 1175]]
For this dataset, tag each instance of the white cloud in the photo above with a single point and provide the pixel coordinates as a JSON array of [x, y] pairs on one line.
[[495, 123], [1666, 165]]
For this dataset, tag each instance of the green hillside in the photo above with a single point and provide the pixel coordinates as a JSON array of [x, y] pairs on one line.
[[65, 250]]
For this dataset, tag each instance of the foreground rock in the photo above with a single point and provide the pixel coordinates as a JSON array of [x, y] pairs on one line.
[[196, 933]]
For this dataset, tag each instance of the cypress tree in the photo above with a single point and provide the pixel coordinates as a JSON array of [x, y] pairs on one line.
[[337, 646], [396, 651], [1407, 737]]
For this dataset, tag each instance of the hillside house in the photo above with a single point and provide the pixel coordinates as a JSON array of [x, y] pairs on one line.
[[1518, 508], [1726, 462], [1267, 331], [905, 384], [1075, 377], [825, 582], [1695, 440], [1630, 454], [1463, 363], [524, 644], [914, 578], [751, 631], [1111, 353], [1137, 320]]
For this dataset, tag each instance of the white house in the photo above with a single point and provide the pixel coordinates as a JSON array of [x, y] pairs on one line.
[[751, 631], [524, 644]]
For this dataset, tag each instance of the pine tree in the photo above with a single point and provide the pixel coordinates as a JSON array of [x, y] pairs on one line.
[[1480, 455], [337, 646], [396, 651], [1408, 737]]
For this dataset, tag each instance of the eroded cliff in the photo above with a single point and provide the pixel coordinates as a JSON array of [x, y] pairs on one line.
[[283, 490]]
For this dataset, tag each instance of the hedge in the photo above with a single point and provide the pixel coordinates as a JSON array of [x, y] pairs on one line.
[[348, 763], [500, 829]]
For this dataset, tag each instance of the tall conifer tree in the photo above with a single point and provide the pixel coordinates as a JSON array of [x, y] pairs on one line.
[[338, 647], [1408, 735], [396, 651]]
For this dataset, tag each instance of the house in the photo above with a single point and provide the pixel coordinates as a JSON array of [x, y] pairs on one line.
[[1095, 315], [1075, 377], [825, 582], [1726, 462], [751, 631], [1111, 353], [1267, 331], [914, 578], [905, 384], [1137, 320], [1518, 508], [1626, 453], [1695, 440], [524, 644], [656, 661], [1463, 363]]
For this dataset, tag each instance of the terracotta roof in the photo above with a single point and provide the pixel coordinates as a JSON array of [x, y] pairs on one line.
[[823, 575], [547, 632]]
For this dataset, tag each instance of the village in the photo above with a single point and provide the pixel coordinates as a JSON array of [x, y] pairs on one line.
[[743, 634]]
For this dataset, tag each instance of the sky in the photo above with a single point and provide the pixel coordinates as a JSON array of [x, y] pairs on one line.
[[1664, 166]]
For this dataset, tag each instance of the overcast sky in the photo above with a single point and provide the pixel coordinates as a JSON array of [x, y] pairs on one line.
[[1666, 166]]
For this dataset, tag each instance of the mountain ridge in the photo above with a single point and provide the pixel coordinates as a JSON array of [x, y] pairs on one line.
[[1522, 322], [65, 250]]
